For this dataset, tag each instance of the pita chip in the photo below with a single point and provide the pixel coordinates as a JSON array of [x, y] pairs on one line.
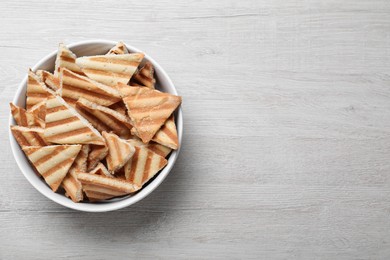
[[119, 48], [66, 59], [36, 90], [144, 76], [25, 118], [29, 136]]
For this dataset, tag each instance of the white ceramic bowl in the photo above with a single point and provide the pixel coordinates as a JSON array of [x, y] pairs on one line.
[[85, 48]]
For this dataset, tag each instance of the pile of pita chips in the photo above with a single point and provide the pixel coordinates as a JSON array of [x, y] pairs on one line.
[[96, 127]]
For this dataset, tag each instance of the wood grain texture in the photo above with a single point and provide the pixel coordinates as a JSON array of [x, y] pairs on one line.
[[287, 131]]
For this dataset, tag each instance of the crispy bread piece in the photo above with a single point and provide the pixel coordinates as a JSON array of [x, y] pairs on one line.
[[65, 126], [110, 69], [114, 184], [97, 153], [104, 118], [52, 162], [124, 89], [49, 79], [119, 152], [74, 86], [119, 107], [25, 118], [149, 109], [167, 135], [155, 147], [100, 169], [29, 136], [71, 184], [119, 48], [144, 76], [39, 110], [36, 90], [143, 166], [73, 187], [66, 59]]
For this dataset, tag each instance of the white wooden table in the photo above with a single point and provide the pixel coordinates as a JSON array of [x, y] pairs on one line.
[[286, 151]]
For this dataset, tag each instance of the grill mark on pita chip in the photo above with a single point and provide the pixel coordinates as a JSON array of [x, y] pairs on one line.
[[25, 118], [97, 153], [49, 79], [28, 136], [107, 182], [144, 76], [143, 166], [67, 126], [110, 69], [52, 162], [167, 135], [66, 59], [36, 90], [154, 147], [119, 152], [149, 109], [73, 187], [74, 86]]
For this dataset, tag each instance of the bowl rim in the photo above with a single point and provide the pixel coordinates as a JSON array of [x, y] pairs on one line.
[[110, 205]]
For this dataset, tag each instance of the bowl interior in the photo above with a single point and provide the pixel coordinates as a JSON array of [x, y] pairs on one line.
[[86, 48]]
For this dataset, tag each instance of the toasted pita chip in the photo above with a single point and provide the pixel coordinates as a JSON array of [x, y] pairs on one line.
[[154, 147], [73, 187], [29, 136], [49, 79], [143, 166], [97, 153], [74, 86], [39, 110], [52, 162], [97, 193], [119, 152], [66, 59], [80, 163], [167, 135], [124, 89], [25, 118], [104, 118], [110, 69], [114, 184], [119, 107], [100, 169], [149, 109], [36, 90], [144, 76], [65, 126], [119, 48]]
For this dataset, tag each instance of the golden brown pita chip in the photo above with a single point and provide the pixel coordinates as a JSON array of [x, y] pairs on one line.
[[52, 162], [39, 110], [29, 136], [143, 166], [155, 147], [119, 152], [100, 169], [66, 59], [73, 187], [49, 79], [97, 153], [167, 135], [65, 126], [149, 109], [25, 118], [74, 86], [144, 76], [110, 69], [104, 118], [36, 90], [119, 48]]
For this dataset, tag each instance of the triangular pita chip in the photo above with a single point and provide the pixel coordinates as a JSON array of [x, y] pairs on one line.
[[66, 59], [110, 69], [149, 109], [29, 136], [124, 89], [119, 48], [39, 110], [25, 118], [100, 169], [144, 76], [74, 86], [52, 162], [36, 90], [119, 152], [71, 184], [49, 79], [73, 187], [167, 135], [97, 153], [154, 147], [104, 118], [143, 166], [65, 126], [99, 187]]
